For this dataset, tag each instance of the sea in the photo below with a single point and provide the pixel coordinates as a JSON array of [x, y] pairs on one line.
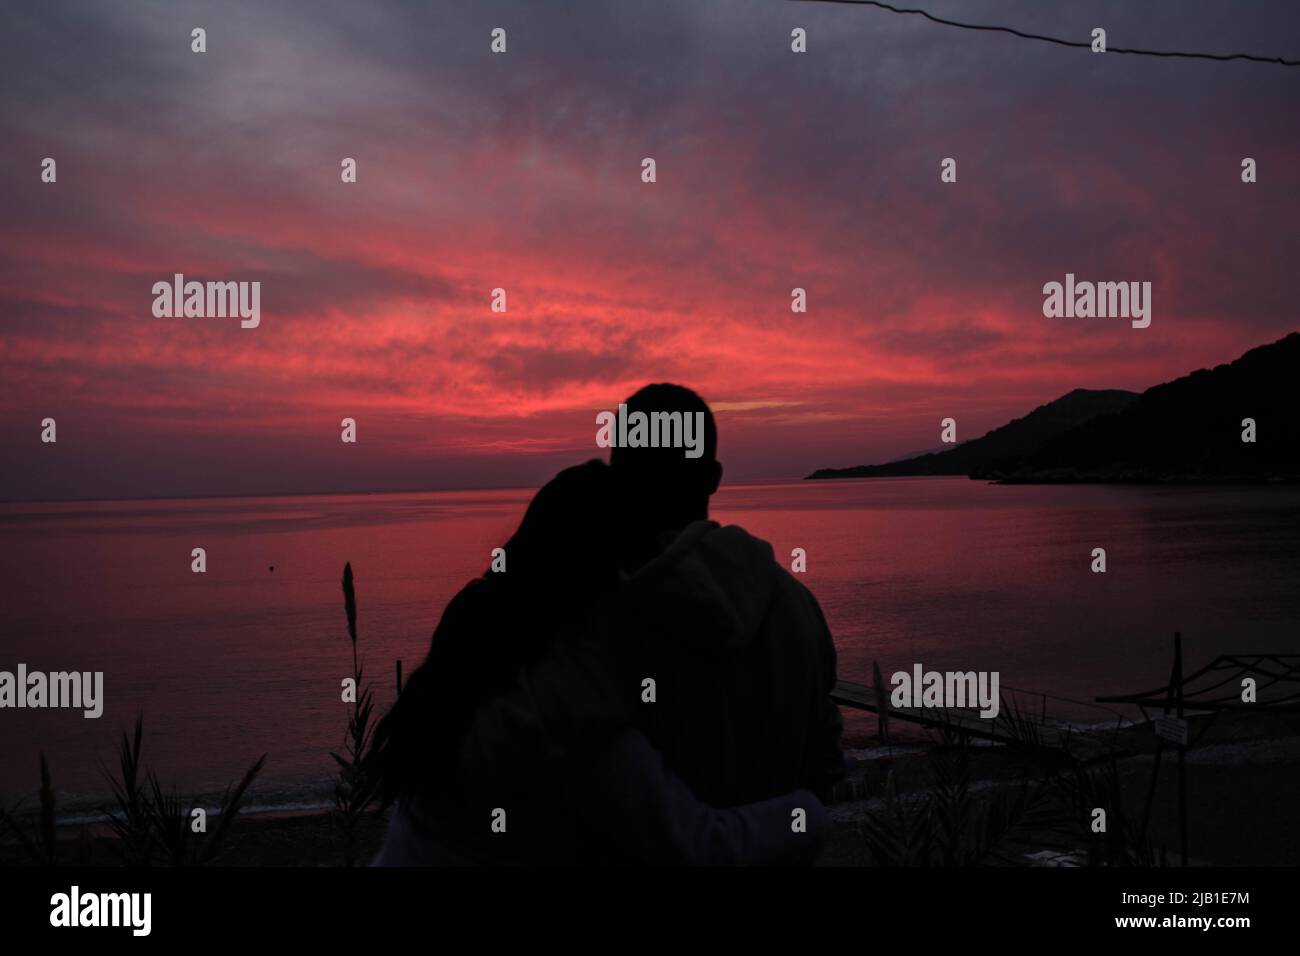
[[247, 658]]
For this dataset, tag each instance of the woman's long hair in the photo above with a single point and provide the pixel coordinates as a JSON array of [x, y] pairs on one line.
[[558, 563]]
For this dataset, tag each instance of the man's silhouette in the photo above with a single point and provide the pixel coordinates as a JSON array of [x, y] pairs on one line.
[[662, 489], [741, 658], [710, 646]]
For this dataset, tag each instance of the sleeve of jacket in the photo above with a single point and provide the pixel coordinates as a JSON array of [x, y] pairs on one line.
[[826, 757], [630, 797], [579, 692]]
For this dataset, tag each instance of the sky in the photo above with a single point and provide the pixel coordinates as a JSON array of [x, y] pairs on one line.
[[522, 171]]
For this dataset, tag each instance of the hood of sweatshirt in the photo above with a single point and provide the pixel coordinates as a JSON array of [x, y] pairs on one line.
[[712, 585]]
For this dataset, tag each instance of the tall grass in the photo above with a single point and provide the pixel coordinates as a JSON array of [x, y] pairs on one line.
[[171, 823], [949, 824], [130, 818], [151, 825], [354, 789], [38, 841]]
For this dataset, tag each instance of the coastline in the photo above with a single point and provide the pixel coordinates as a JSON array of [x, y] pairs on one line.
[[1241, 756]]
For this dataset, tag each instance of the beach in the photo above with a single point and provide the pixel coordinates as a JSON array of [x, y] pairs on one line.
[[1237, 761]]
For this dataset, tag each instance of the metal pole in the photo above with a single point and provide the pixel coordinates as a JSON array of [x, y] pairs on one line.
[[1174, 673], [1182, 750], [882, 704]]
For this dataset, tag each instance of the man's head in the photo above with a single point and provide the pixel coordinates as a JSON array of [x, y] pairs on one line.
[[662, 488]]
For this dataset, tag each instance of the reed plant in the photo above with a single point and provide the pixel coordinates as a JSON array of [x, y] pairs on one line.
[[151, 825], [129, 817], [37, 840], [171, 822], [950, 823], [354, 788]]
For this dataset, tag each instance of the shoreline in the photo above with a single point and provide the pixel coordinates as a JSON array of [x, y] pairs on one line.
[[1238, 760]]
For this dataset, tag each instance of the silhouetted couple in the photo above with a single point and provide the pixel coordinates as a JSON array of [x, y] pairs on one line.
[[638, 685]]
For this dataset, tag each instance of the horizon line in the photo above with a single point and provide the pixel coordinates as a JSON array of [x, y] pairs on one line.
[[336, 493]]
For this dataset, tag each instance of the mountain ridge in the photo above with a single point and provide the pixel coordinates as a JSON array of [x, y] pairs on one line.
[[1016, 436], [1189, 429]]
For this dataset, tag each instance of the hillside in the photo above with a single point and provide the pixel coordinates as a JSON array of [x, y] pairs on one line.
[[1187, 430], [1011, 441]]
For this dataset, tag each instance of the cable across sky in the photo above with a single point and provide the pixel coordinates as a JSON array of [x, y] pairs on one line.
[[1024, 35]]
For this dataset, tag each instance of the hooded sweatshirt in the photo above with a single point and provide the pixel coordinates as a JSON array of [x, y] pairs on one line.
[[617, 805], [742, 665]]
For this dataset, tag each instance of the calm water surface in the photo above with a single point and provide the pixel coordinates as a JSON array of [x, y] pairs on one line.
[[952, 573]]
